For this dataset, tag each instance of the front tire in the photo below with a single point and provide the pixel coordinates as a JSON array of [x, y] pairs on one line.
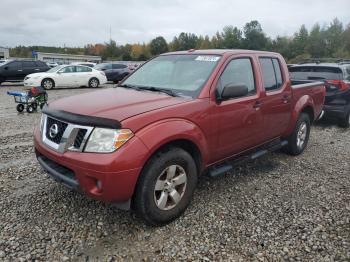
[[47, 84], [94, 83], [298, 140], [165, 187]]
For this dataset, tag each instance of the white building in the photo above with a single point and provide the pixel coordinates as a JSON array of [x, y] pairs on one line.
[[65, 58], [4, 53]]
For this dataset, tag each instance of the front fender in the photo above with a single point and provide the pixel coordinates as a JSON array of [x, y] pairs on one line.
[[303, 102], [162, 132]]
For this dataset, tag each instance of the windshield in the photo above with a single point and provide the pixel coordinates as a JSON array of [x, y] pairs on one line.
[[55, 69], [182, 74]]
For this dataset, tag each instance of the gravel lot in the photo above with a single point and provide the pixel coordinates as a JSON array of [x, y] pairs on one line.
[[277, 208]]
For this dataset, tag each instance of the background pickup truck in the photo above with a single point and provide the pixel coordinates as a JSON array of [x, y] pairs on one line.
[[145, 143]]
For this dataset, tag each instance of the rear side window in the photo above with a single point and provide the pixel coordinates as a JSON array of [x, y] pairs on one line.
[[238, 72], [271, 73], [83, 69], [28, 64], [118, 66], [315, 73]]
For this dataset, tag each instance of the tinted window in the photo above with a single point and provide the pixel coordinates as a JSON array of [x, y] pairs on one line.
[[238, 72], [14, 65], [315, 72], [278, 72], [68, 69], [40, 64], [118, 66], [347, 72], [103, 66], [268, 74], [83, 69], [28, 64]]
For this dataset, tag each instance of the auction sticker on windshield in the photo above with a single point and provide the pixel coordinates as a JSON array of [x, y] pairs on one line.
[[207, 58]]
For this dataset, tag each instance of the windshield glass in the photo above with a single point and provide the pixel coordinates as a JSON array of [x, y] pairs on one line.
[[55, 69], [182, 74]]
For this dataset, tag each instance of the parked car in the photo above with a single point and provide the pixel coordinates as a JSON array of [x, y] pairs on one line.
[[114, 72], [89, 64], [52, 64], [66, 75], [337, 77], [145, 143], [16, 70]]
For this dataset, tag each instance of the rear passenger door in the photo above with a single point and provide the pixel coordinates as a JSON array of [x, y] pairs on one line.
[[83, 75], [29, 67], [276, 104]]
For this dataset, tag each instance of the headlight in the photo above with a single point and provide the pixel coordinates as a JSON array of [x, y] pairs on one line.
[[26, 78], [103, 140]]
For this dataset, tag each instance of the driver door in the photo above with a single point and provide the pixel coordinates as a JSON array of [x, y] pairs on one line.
[[240, 120]]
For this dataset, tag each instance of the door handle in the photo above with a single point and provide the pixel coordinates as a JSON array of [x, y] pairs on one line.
[[19, 70], [286, 99], [37, 69], [257, 105]]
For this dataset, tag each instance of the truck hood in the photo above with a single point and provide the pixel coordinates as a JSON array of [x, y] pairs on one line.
[[115, 103]]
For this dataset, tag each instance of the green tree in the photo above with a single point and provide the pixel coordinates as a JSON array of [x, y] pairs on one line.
[[316, 45], [158, 46], [333, 37], [254, 37], [231, 37]]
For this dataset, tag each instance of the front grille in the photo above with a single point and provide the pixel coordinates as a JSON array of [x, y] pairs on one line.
[[79, 138], [61, 128]]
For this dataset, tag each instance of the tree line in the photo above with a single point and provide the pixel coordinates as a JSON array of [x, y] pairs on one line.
[[328, 41]]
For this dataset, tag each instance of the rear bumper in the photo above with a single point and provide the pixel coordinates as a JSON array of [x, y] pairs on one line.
[[337, 111], [106, 177]]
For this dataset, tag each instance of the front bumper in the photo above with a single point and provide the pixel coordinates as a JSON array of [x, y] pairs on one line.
[[106, 177]]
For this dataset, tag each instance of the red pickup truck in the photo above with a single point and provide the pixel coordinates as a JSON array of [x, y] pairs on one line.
[[144, 144]]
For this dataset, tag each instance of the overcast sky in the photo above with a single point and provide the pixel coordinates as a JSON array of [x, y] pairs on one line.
[[78, 22]]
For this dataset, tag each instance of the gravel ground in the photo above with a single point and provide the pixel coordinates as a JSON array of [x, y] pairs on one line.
[[276, 208]]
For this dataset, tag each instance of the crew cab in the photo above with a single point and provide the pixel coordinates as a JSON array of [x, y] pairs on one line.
[[145, 143]]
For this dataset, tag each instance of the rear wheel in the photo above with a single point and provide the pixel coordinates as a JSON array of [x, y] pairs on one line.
[[298, 140], [345, 122], [47, 84], [20, 108], [30, 109], [165, 187], [94, 83]]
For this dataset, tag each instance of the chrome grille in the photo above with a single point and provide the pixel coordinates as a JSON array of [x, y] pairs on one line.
[[61, 127], [67, 136]]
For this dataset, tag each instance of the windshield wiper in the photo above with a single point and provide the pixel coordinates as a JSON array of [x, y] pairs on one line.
[[129, 86], [157, 89]]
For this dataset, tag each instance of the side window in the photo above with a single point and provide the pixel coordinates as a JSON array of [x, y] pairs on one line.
[[14, 65], [28, 64], [238, 72], [278, 72], [348, 73], [83, 69], [68, 69], [271, 73]]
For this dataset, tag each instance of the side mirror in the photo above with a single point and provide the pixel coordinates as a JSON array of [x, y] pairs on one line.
[[59, 72], [233, 90], [6, 67]]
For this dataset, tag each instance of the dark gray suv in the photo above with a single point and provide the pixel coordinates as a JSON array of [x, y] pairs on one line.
[[114, 72], [337, 78]]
